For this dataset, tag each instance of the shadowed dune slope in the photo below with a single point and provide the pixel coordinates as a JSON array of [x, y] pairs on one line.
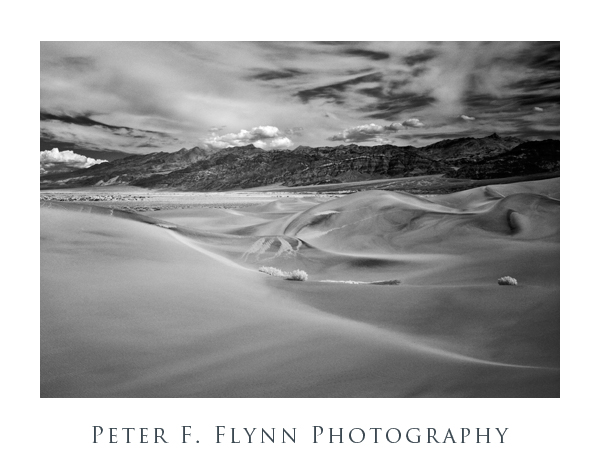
[[173, 305]]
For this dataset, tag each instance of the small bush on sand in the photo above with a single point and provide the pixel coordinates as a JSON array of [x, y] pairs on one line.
[[297, 275], [507, 280], [273, 271]]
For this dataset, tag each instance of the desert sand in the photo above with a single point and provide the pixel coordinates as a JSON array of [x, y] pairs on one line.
[[171, 303]]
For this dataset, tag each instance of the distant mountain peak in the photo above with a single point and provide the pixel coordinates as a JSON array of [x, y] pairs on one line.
[[302, 148]]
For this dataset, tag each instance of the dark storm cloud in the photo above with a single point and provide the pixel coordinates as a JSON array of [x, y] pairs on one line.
[[268, 75], [335, 91], [418, 58], [373, 55]]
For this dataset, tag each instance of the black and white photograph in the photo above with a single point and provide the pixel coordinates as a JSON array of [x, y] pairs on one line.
[[334, 219]]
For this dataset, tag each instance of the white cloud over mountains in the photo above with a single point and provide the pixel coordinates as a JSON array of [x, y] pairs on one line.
[[62, 161], [413, 123], [374, 132], [264, 137]]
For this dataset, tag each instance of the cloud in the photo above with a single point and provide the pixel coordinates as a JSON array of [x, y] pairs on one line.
[[86, 132], [86, 121], [359, 133], [263, 131], [129, 96], [269, 75], [101, 138], [297, 130], [413, 123], [420, 57], [373, 55], [538, 109], [63, 161], [281, 142], [334, 92], [395, 126], [392, 103], [467, 118], [374, 132], [264, 137]]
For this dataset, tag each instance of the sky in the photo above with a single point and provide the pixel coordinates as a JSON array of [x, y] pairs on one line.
[[105, 100]]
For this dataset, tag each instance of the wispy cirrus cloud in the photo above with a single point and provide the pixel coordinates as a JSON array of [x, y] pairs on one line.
[[85, 132], [420, 57], [335, 91], [371, 54], [270, 75]]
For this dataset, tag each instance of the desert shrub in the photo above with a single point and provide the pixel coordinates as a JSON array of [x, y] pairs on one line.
[[297, 275], [507, 280], [273, 271]]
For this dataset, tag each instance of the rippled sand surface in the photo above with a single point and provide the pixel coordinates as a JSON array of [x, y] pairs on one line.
[[172, 304]]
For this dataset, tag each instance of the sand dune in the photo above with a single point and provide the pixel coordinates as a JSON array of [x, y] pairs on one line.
[[173, 305]]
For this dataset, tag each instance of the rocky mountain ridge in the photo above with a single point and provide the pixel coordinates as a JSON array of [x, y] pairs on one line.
[[247, 166]]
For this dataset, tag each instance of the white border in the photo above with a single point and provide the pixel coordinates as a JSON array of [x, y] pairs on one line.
[[547, 432]]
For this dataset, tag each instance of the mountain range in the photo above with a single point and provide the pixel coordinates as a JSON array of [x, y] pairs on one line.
[[198, 169]]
